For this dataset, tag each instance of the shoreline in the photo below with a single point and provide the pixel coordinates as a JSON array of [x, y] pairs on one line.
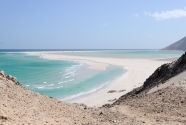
[[137, 72], [91, 91], [168, 59]]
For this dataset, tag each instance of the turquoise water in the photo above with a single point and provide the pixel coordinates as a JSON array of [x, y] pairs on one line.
[[68, 79], [60, 79], [142, 54]]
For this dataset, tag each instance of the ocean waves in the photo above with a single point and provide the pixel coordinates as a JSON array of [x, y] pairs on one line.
[[85, 93]]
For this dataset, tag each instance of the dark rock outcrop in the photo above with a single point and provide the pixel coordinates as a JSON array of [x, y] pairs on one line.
[[166, 72]]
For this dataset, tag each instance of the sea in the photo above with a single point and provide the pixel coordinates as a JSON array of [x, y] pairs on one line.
[[67, 80]]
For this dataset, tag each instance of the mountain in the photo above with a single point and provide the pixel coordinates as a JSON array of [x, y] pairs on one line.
[[179, 45]]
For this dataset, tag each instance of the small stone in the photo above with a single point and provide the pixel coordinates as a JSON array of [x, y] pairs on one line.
[[111, 91], [2, 73], [18, 83], [101, 113], [13, 79], [122, 90]]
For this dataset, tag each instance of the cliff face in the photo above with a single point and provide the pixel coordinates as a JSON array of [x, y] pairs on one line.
[[179, 45]]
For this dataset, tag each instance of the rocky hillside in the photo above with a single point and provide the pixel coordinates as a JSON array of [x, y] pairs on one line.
[[20, 106], [164, 104], [160, 76], [179, 45], [166, 72]]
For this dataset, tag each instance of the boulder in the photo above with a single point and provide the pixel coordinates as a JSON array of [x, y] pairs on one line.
[[13, 79], [3, 116], [2, 73]]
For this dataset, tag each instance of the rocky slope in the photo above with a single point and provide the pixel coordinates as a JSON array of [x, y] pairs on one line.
[[166, 72], [164, 106], [179, 45], [19, 106], [160, 76]]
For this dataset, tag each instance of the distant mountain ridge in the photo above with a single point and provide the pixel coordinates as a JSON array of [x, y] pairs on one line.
[[179, 45]]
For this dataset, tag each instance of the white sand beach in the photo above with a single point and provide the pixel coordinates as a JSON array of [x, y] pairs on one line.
[[138, 70]]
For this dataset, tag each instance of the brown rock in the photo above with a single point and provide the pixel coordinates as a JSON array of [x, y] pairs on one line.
[[122, 90], [13, 79], [111, 91], [2, 73]]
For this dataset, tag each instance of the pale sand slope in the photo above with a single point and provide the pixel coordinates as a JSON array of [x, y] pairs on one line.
[[180, 78], [137, 72]]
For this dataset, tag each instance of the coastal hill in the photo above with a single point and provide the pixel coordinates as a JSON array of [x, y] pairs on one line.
[[163, 93], [160, 100], [19, 106], [179, 45]]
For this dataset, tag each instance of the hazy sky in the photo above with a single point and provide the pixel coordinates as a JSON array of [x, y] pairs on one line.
[[91, 24]]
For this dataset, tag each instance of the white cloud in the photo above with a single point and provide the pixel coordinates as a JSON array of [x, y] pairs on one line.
[[136, 15], [179, 13]]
